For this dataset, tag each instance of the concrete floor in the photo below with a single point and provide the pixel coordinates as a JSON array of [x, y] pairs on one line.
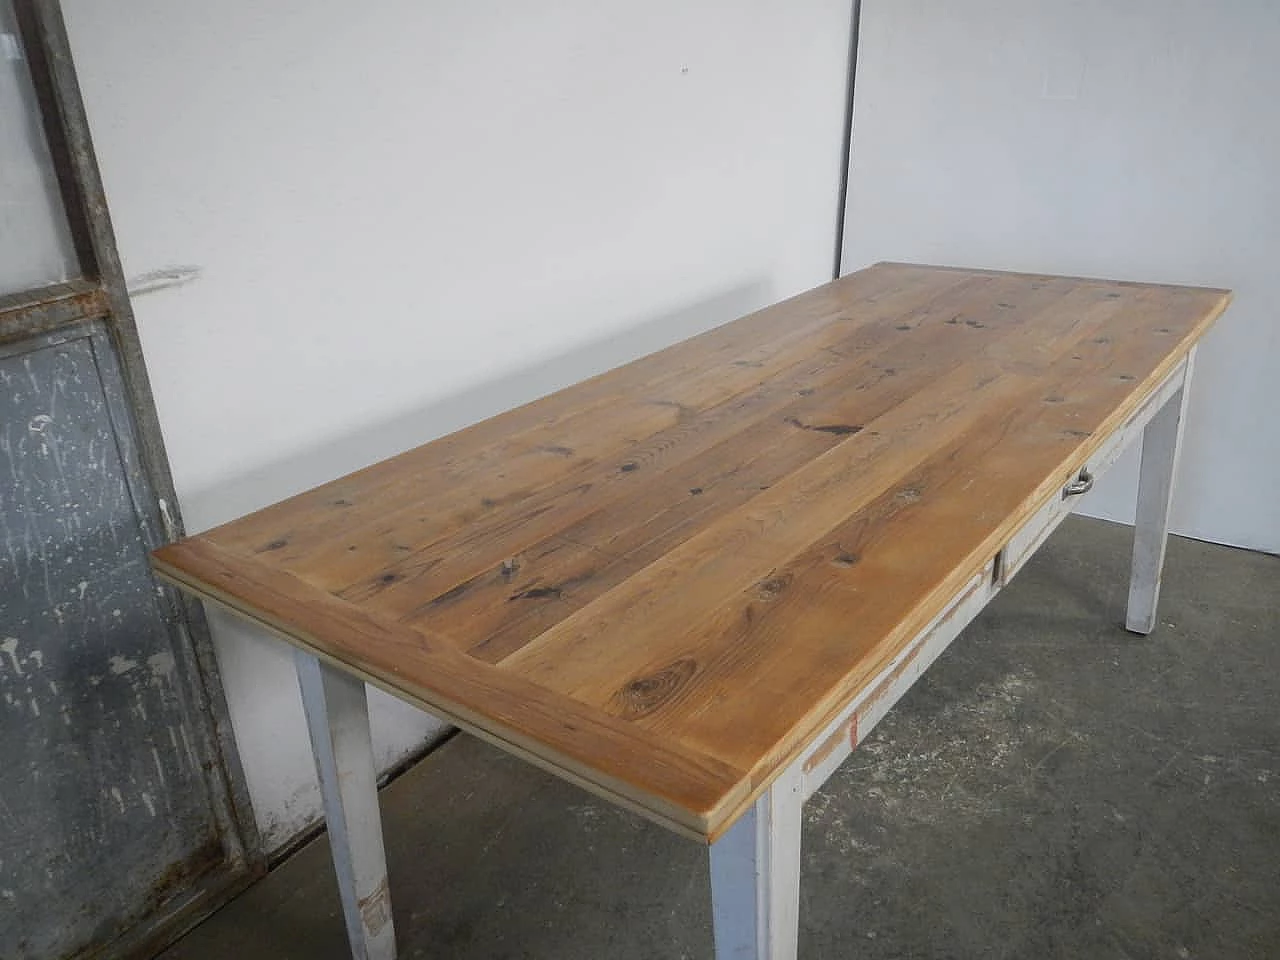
[[1054, 787]]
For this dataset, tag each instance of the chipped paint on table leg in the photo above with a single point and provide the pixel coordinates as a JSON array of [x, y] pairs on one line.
[[338, 719], [856, 721], [755, 877], [1161, 443]]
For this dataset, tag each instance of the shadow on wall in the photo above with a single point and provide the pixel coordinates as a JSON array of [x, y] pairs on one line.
[[338, 456]]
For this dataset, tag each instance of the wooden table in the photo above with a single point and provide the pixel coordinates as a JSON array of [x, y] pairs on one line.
[[694, 583]]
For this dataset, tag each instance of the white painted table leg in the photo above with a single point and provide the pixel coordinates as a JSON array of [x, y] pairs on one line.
[[1161, 441], [338, 718], [755, 878]]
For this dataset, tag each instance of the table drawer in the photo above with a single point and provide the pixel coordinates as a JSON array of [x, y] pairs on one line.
[[1079, 480], [1033, 533]]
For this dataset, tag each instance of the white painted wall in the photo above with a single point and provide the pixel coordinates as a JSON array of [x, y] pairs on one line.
[[1137, 139], [35, 241], [409, 216]]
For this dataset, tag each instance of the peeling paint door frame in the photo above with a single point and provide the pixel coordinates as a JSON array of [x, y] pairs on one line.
[[97, 301]]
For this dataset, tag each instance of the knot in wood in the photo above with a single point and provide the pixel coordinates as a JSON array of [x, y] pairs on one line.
[[645, 694], [769, 588]]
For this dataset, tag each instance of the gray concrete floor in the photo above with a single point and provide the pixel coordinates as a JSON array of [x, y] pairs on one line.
[[1053, 787]]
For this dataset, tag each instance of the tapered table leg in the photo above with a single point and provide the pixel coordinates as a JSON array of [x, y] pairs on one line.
[[338, 718], [1161, 441], [755, 878]]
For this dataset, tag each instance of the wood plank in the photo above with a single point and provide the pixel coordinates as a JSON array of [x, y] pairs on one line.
[[591, 458], [653, 608], [576, 656], [732, 358], [604, 549], [603, 518]]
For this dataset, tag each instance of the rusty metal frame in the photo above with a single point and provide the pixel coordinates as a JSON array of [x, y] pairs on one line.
[[25, 315], [98, 296]]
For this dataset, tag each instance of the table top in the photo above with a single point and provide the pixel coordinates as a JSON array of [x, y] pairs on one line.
[[664, 581]]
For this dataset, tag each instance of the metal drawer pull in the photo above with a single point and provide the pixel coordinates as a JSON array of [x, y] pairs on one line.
[[1081, 484]]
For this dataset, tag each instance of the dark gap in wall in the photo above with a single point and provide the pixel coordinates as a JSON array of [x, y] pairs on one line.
[[846, 148]]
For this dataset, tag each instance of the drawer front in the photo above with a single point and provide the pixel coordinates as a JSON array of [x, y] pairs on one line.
[[1045, 520]]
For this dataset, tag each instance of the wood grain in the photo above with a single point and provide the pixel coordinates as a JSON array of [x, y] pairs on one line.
[[613, 579]]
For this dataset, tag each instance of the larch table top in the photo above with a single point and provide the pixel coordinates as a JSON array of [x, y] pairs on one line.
[[663, 581]]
